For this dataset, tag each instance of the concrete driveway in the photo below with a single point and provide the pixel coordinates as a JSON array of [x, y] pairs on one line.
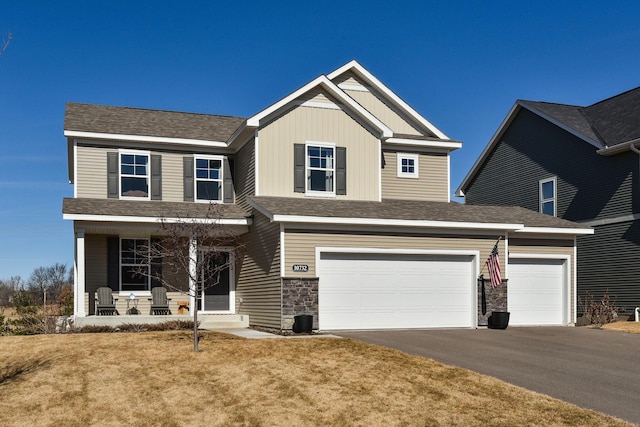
[[593, 369]]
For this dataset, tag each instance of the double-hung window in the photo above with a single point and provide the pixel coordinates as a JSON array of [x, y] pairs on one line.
[[208, 178], [134, 265], [134, 174], [407, 165], [548, 196], [320, 168]]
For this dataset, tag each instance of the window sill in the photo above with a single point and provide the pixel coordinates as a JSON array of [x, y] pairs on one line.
[[323, 194]]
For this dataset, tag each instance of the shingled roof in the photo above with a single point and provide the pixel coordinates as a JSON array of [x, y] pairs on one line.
[[155, 209], [152, 123], [610, 122], [410, 210]]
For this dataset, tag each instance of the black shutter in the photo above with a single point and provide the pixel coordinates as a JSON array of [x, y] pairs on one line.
[[298, 168], [187, 163], [341, 170], [156, 266], [113, 263], [227, 182], [112, 175], [156, 177]]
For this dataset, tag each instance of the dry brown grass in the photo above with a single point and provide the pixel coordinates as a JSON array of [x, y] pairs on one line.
[[153, 379], [631, 327]]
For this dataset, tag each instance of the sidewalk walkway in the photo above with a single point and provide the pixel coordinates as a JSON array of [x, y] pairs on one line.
[[254, 334]]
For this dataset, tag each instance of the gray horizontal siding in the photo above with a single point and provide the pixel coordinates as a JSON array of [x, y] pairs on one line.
[[589, 185], [609, 259]]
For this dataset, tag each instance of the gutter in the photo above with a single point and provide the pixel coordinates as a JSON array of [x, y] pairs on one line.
[[619, 148]]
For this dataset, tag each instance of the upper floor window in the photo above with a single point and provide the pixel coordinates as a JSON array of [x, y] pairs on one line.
[[134, 174], [208, 178], [320, 168], [548, 196], [134, 265], [407, 165]]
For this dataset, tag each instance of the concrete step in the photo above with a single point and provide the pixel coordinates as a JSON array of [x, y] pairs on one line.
[[223, 321]]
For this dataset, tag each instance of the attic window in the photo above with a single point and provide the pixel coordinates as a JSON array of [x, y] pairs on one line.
[[408, 165]]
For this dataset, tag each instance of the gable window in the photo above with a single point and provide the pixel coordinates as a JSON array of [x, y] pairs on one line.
[[407, 165], [548, 196], [320, 168], [134, 175], [132, 261], [208, 178]]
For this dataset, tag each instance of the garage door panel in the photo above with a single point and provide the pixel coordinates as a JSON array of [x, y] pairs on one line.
[[379, 291], [536, 292]]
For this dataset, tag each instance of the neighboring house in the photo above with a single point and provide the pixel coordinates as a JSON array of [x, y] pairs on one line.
[[340, 192], [576, 163]]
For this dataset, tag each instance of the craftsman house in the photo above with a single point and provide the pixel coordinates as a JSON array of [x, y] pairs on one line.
[[340, 194], [576, 163]]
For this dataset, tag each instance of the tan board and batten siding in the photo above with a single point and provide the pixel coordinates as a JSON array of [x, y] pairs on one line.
[[300, 246], [302, 124], [259, 283], [375, 105], [431, 184]]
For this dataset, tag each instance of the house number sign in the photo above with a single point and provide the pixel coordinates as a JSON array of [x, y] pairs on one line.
[[301, 268]]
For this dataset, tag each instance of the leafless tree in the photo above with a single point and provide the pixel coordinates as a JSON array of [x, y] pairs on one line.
[[5, 43], [46, 282], [8, 288], [191, 248]]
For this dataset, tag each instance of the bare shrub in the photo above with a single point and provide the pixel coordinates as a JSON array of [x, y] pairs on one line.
[[598, 313]]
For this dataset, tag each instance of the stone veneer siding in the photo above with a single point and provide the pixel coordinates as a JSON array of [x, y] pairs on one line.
[[299, 296], [496, 299]]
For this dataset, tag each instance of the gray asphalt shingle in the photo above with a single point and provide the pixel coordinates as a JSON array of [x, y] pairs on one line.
[[410, 210], [153, 123]]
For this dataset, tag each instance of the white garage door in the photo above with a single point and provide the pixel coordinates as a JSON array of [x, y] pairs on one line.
[[536, 292], [383, 291]]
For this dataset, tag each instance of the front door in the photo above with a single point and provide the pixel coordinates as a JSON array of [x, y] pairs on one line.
[[217, 284]]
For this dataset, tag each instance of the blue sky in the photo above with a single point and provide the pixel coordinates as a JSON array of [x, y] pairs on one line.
[[461, 64]]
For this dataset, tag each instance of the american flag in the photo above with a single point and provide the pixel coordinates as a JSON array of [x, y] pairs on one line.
[[493, 265]]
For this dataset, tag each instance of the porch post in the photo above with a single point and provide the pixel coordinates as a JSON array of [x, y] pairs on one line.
[[193, 259], [78, 275]]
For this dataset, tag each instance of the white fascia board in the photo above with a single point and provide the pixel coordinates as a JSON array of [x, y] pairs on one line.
[[553, 230], [140, 138], [150, 219], [295, 219], [327, 84], [487, 149], [448, 145], [373, 81]]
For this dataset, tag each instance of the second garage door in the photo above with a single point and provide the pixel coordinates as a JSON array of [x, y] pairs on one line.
[[536, 292], [384, 291]]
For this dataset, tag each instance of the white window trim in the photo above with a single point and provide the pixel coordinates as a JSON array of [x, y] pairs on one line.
[[553, 199], [195, 178], [316, 193], [148, 176], [416, 161], [138, 292]]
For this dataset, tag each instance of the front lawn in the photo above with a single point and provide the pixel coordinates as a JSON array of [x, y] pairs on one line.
[[154, 379]]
